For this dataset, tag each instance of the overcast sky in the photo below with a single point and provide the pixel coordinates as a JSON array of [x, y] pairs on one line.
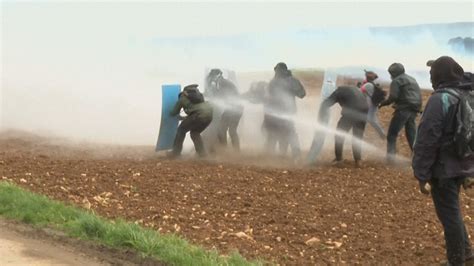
[[99, 64], [152, 18]]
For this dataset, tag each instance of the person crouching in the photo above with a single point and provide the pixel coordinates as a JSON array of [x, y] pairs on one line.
[[199, 116]]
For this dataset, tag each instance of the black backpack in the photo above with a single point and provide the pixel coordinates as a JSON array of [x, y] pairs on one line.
[[195, 96], [378, 95], [463, 140]]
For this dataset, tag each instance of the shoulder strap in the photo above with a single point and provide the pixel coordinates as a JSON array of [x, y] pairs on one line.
[[450, 91], [445, 100]]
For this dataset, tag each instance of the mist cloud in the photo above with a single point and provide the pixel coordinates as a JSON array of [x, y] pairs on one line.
[[95, 71]]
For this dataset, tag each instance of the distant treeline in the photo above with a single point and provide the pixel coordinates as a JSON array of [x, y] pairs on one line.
[[462, 45]]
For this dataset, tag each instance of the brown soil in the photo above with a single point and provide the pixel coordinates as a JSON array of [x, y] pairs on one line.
[[374, 214], [368, 215]]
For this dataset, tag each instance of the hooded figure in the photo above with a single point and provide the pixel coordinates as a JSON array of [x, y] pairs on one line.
[[279, 107], [445, 71], [405, 95], [435, 163]]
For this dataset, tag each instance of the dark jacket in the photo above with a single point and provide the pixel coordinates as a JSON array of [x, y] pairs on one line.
[[431, 158], [282, 91], [225, 89], [227, 94], [351, 99], [202, 110], [405, 92]]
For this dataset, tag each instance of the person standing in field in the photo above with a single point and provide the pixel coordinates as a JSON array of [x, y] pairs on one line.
[[225, 94], [353, 116], [280, 108], [444, 152], [374, 95], [405, 95]]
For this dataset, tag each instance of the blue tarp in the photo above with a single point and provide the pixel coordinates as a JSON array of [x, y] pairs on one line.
[[169, 124]]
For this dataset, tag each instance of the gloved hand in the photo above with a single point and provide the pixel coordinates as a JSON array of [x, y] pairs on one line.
[[425, 187]]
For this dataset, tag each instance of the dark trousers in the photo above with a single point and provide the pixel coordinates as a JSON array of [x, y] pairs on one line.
[[281, 131], [195, 125], [401, 119], [228, 123], [445, 194], [345, 124]]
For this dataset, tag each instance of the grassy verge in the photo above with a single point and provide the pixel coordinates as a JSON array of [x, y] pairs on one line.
[[18, 204]]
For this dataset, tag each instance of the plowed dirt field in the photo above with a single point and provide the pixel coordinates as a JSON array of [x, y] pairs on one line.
[[284, 213], [261, 206]]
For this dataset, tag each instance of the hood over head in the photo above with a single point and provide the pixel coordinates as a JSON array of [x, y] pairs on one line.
[[445, 70], [396, 69]]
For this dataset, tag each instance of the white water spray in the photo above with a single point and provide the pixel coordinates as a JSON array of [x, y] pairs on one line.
[[311, 125]]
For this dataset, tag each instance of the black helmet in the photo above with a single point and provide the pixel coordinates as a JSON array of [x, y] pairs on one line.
[[215, 72]]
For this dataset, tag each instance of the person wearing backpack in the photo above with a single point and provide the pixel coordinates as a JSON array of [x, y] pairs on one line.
[[405, 95], [375, 95], [199, 116], [444, 152]]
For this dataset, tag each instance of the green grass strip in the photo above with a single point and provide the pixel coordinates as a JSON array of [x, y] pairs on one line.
[[38, 210]]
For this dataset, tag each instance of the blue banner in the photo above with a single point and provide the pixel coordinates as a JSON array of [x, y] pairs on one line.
[[169, 124]]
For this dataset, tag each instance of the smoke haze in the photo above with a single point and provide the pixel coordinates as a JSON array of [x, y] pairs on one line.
[[94, 70]]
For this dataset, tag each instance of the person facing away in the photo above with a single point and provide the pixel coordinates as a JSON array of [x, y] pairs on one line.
[[353, 116], [226, 96], [199, 116], [279, 109], [436, 162], [405, 95], [368, 88]]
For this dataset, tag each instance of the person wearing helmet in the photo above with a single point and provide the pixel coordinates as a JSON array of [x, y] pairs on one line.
[[199, 116], [405, 96], [225, 96], [212, 80]]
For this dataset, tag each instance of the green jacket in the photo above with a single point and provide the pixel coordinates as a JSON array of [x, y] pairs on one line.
[[202, 110]]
